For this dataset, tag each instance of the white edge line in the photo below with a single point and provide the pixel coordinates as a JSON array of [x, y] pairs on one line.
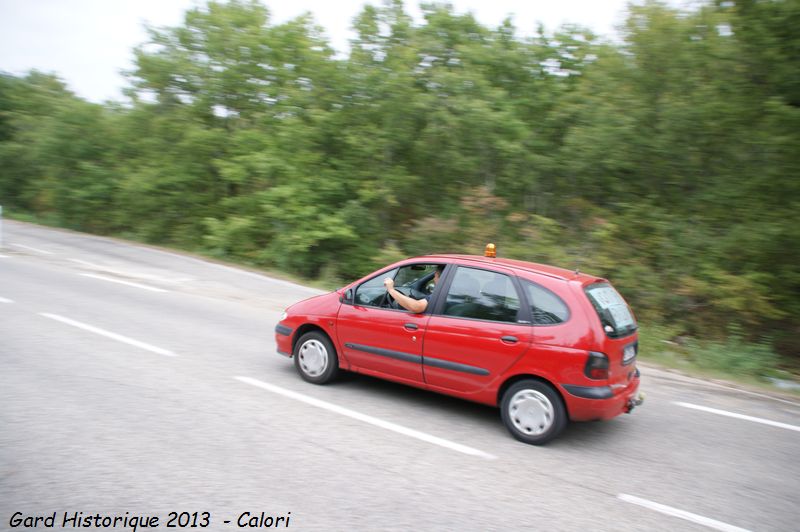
[[682, 514], [122, 273], [260, 276], [738, 416], [367, 419], [136, 285], [756, 394], [6, 300], [696, 381], [37, 250], [85, 263], [139, 246], [108, 334]]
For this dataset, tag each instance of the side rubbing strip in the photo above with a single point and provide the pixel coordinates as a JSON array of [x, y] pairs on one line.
[[283, 330], [455, 366], [398, 355]]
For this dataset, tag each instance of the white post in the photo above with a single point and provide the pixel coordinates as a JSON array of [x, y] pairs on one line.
[[1, 227]]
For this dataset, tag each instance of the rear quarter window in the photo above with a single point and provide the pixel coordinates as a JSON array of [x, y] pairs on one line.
[[546, 307]]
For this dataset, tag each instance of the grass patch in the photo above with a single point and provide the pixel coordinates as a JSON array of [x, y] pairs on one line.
[[735, 355], [733, 359]]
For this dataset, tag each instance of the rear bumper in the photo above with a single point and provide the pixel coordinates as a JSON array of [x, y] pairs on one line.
[[589, 392], [590, 403]]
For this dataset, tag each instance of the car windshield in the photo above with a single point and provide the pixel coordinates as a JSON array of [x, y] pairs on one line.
[[614, 313]]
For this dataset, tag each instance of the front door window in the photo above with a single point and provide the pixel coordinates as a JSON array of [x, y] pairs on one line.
[[415, 281]]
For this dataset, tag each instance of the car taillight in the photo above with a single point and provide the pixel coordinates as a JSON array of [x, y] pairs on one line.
[[596, 366]]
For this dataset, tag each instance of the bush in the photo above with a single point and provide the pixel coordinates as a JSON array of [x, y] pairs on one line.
[[734, 355]]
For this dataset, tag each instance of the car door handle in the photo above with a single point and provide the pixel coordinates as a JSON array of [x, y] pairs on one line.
[[410, 326], [510, 339]]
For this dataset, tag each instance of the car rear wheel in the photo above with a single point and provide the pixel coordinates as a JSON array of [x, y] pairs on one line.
[[315, 358], [533, 412]]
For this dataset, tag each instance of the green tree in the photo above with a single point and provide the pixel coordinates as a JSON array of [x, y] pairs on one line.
[[666, 162]]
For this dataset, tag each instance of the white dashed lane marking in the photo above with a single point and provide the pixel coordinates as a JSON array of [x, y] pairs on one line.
[[109, 334], [681, 514], [739, 416], [367, 419]]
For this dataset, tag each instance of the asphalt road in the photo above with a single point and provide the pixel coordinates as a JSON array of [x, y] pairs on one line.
[[138, 381]]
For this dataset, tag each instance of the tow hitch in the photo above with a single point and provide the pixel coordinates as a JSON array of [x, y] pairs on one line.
[[633, 402]]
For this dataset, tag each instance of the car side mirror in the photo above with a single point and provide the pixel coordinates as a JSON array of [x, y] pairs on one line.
[[348, 296]]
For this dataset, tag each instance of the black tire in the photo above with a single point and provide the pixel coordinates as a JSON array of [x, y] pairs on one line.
[[533, 412], [315, 358]]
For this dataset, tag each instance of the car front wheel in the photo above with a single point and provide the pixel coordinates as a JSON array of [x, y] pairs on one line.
[[533, 412], [315, 358]]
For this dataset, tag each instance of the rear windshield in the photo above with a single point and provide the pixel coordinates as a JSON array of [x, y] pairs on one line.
[[614, 313]]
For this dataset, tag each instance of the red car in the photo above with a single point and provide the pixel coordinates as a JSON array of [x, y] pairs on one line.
[[546, 345]]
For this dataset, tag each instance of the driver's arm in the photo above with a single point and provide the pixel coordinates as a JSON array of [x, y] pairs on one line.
[[416, 306]]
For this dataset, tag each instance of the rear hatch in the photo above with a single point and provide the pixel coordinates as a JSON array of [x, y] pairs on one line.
[[621, 342]]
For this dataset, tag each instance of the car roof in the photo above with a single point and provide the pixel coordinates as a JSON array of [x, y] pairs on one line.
[[532, 267]]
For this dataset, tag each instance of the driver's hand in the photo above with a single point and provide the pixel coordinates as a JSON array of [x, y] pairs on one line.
[[388, 284]]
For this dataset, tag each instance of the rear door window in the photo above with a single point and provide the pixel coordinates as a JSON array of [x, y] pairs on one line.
[[482, 295]]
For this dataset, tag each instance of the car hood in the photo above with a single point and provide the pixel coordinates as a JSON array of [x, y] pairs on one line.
[[326, 304]]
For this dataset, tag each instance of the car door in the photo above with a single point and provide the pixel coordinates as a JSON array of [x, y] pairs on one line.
[[382, 342], [474, 334]]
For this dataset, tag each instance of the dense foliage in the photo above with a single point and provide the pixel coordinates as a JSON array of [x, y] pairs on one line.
[[668, 162]]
